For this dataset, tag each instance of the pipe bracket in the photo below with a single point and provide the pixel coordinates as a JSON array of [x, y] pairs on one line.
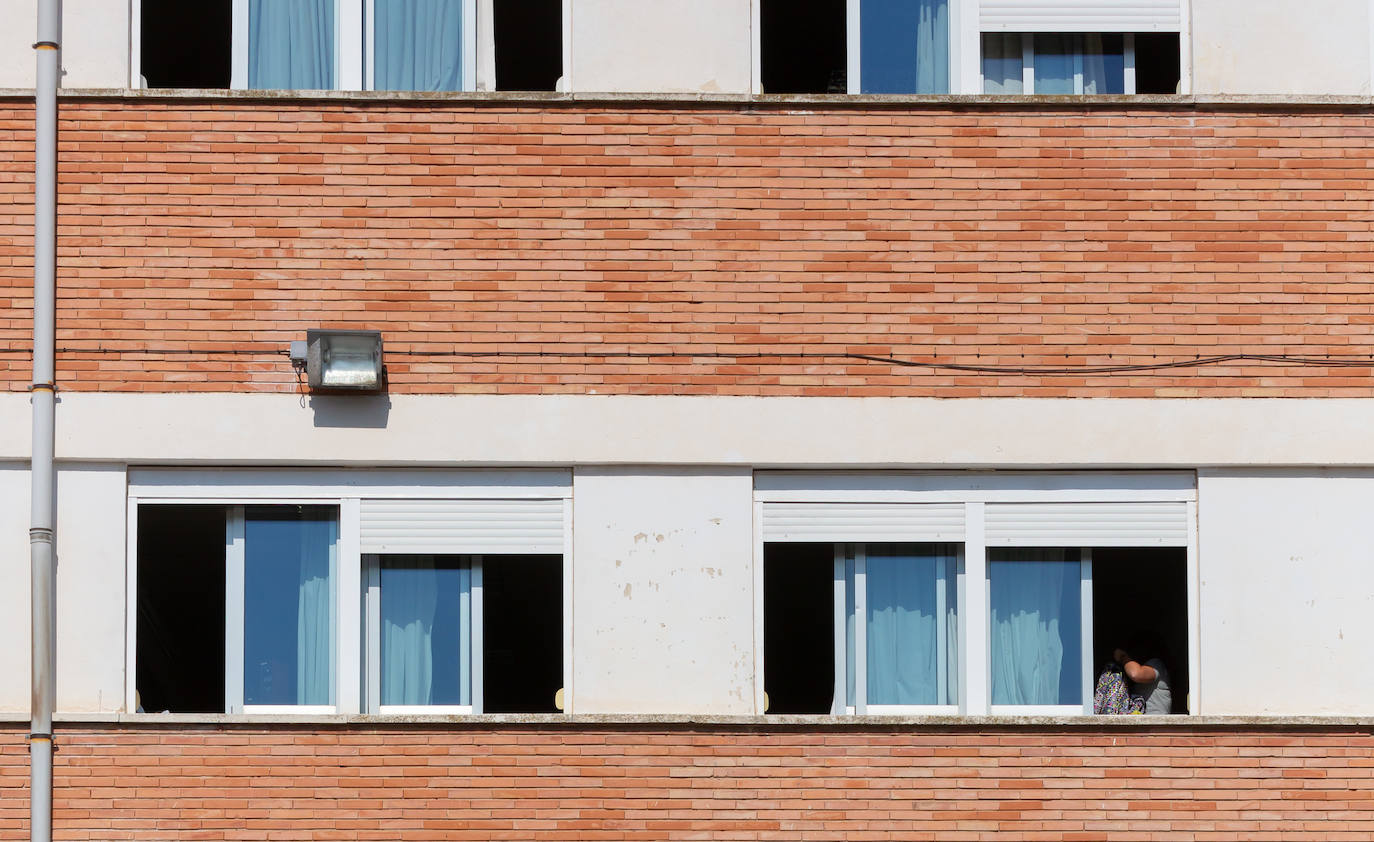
[[39, 387], [46, 45]]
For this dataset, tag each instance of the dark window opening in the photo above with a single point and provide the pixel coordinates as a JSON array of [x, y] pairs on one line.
[[802, 46], [1156, 63], [522, 633], [529, 44], [186, 44], [798, 627], [1140, 603], [180, 623]]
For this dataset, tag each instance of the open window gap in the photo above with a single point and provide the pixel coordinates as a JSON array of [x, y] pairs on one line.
[[186, 44], [180, 604], [528, 37], [802, 47], [522, 637], [1140, 604], [798, 627]]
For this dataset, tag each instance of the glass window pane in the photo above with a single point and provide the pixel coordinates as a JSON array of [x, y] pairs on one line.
[[1104, 63], [1054, 63], [911, 624], [1002, 63], [904, 46], [1036, 627], [418, 45], [288, 605], [291, 44], [426, 631]]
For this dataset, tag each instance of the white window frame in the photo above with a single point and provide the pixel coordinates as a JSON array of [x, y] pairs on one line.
[[372, 631], [975, 491], [1085, 647], [859, 551], [346, 489], [854, 46]]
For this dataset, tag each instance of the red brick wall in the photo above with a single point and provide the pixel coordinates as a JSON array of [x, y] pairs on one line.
[[197, 238], [664, 783]]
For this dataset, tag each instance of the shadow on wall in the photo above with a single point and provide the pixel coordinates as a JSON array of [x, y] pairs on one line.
[[364, 412]]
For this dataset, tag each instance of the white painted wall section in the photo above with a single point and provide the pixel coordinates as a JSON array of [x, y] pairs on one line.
[[661, 46], [662, 591], [1281, 47], [1287, 592], [759, 432], [90, 588], [95, 43]]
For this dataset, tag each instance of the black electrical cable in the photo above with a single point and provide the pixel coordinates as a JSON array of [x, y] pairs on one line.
[[1350, 361]]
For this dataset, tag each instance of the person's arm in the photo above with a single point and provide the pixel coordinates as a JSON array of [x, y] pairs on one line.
[[1137, 672]]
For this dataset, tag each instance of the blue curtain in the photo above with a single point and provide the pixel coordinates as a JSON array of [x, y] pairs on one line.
[[418, 45], [291, 44], [904, 46], [426, 631], [1002, 63], [1036, 627], [288, 622], [911, 613], [1059, 56]]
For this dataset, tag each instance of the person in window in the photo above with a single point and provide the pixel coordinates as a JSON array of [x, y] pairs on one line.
[[1148, 676]]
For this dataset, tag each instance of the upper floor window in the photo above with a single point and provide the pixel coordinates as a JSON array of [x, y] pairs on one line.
[[1068, 63], [855, 46], [408, 45]]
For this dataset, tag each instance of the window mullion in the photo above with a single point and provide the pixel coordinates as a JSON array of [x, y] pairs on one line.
[[860, 628], [853, 47], [349, 29], [238, 45], [349, 599], [1128, 63], [233, 609], [1085, 580], [841, 649], [476, 635], [1027, 63], [372, 631], [974, 614]]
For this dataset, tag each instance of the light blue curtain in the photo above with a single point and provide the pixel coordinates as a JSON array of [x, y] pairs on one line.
[[1002, 63], [288, 623], [426, 631], [418, 45], [1060, 56], [1036, 627], [291, 44], [904, 46], [906, 663], [1054, 62]]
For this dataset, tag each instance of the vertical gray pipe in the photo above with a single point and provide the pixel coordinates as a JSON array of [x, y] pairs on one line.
[[42, 523]]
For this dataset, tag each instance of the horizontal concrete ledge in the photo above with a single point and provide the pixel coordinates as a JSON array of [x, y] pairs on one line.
[[674, 721], [657, 100]]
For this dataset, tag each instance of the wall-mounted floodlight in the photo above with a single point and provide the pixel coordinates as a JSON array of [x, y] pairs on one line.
[[341, 360]]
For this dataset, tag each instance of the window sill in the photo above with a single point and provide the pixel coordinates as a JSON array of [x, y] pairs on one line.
[[791, 722], [816, 101]]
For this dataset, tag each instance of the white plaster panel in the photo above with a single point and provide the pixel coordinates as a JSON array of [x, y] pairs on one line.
[[14, 587], [551, 430], [95, 43], [662, 591], [1280, 47], [1287, 592], [662, 46], [90, 588]]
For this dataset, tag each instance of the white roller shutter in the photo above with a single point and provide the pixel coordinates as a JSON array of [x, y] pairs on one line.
[[462, 526], [863, 522], [1087, 524], [1080, 15]]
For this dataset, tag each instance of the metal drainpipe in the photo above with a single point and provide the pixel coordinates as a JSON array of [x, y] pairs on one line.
[[42, 522]]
